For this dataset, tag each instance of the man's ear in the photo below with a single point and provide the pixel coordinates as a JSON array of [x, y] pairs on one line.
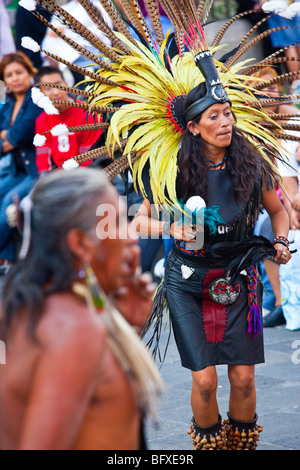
[[80, 244]]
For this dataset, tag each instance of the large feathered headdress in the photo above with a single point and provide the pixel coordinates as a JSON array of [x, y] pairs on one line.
[[140, 80]]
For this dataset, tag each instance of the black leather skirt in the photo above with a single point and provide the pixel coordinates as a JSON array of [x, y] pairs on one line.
[[208, 333]]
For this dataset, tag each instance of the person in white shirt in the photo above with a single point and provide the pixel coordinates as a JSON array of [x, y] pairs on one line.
[[59, 47], [291, 178], [7, 43]]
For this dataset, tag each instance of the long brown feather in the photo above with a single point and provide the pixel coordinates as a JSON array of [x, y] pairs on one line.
[[90, 127], [95, 15], [121, 164], [79, 28], [171, 15], [275, 55], [136, 16], [251, 43], [271, 62], [287, 126], [271, 101], [73, 91], [219, 36], [97, 77], [117, 20], [100, 152], [87, 127], [152, 9], [172, 11], [286, 77], [200, 9], [207, 12], [251, 31], [283, 116], [190, 8], [187, 12], [93, 108], [293, 138], [186, 22], [75, 45]]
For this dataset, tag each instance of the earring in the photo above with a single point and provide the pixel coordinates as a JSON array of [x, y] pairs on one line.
[[97, 294], [91, 291]]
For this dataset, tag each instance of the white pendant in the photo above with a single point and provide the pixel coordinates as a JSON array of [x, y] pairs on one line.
[[186, 271]]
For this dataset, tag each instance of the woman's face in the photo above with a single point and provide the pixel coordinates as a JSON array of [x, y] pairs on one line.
[[215, 126], [17, 78]]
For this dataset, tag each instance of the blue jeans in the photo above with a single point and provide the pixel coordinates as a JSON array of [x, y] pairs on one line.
[[20, 186]]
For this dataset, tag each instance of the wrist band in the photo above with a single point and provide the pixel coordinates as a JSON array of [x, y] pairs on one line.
[[281, 239], [281, 243]]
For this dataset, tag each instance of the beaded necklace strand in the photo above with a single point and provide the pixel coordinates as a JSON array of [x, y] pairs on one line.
[[218, 164]]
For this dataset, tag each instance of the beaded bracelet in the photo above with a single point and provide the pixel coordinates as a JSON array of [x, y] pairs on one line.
[[281, 239]]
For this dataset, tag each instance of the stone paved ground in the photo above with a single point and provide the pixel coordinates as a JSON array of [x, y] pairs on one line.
[[278, 396]]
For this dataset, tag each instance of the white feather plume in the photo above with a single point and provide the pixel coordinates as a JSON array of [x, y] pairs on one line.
[[275, 6], [27, 4], [36, 94], [60, 129], [39, 140], [29, 43], [70, 164], [45, 103], [49, 108], [291, 11]]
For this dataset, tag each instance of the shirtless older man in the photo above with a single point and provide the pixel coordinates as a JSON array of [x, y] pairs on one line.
[[77, 376]]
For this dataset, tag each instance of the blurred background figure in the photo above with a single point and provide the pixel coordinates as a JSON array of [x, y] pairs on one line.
[[287, 37], [59, 47], [164, 20], [58, 148], [18, 170], [28, 25], [68, 312], [270, 270], [257, 15], [7, 43]]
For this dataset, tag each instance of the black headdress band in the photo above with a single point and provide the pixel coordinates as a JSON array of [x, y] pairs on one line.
[[215, 91]]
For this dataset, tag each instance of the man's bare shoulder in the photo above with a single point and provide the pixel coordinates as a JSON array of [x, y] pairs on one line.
[[66, 320]]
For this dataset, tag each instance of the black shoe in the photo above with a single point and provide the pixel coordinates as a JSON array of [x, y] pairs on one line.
[[274, 318]]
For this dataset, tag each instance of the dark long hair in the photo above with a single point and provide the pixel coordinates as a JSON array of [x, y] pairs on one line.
[[243, 161], [60, 201]]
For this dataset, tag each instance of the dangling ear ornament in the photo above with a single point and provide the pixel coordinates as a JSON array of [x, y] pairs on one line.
[[97, 294], [90, 290]]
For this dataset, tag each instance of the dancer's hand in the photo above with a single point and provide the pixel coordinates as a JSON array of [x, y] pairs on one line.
[[283, 255], [183, 232]]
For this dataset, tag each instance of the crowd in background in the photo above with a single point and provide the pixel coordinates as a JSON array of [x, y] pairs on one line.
[[22, 162]]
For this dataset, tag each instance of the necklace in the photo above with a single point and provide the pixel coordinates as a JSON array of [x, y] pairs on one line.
[[218, 164]]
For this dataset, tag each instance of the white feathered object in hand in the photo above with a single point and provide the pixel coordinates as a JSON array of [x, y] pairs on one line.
[[195, 203]]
